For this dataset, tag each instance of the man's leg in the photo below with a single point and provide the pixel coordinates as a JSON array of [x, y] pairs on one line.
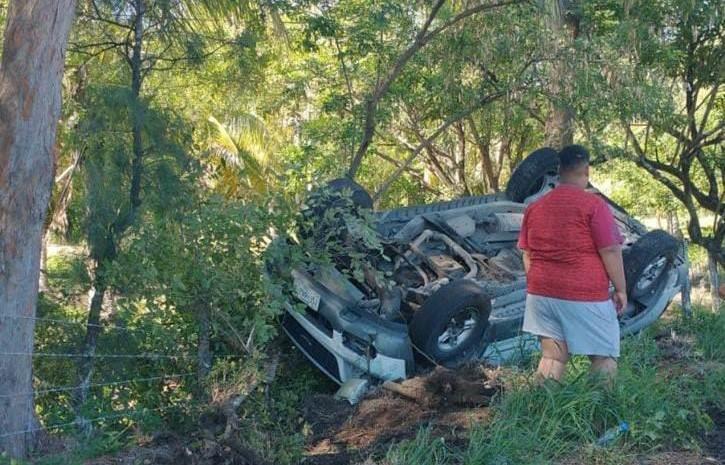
[[554, 355], [604, 366]]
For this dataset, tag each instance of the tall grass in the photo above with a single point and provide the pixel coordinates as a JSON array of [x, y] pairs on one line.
[[665, 407], [423, 450], [708, 329]]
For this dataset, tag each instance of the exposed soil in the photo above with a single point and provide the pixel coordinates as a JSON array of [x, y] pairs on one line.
[[170, 450], [676, 458], [448, 402], [674, 346]]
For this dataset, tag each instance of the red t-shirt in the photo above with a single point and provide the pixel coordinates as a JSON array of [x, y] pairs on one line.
[[563, 232]]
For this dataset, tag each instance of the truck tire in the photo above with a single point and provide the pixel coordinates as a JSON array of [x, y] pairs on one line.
[[450, 325], [329, 196], [403, 214], [527, 178], [335, 188], [646, 267], [359, 196], [646, 263]]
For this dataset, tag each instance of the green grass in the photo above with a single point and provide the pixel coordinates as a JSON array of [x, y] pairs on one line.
[[271, 417], [708, 328], [665, 405], [423, 450], [67, 275], [98, 445]]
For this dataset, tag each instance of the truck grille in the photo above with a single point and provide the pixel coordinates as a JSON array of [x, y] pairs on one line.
[[313, 349], [357, 345]]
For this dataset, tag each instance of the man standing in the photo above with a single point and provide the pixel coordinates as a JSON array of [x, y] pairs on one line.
[[571, 248]]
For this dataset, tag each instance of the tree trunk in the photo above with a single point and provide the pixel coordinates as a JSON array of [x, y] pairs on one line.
[[460, 161], [137, 110], [685, 290], [504, 153], [714, 280], [564, 25], [109, 252], [204, 349], [30, 99], [86, 364], [484, 149], [43, 281]]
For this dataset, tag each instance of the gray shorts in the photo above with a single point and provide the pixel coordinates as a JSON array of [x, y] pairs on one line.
[[588, 328]]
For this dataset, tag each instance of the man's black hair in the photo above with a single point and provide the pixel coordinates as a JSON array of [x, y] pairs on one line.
[[572, 157]]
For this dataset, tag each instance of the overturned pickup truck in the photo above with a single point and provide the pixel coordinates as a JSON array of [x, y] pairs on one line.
[[459, 286]]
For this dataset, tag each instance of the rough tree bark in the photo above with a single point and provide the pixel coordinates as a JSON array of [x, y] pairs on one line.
[[563, 23], [714, 281], [30, 97]]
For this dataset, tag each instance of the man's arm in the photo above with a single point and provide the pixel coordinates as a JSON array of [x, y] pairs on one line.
[[608, 240], [523, 242], [612, 259]]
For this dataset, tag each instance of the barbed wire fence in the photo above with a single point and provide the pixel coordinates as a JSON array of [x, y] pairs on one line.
[[173, 386]]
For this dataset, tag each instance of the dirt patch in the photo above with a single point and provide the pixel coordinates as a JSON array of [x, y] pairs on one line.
[[674, 346], [168, 449], [323, 414], [680, 457], [381, 420], [676, 458], [446, 401]]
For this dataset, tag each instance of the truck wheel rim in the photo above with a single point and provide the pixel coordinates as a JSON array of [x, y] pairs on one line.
[[458, 329], [650, 275]]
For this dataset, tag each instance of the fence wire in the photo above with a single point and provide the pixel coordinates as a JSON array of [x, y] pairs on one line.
[[124, 382], [145, 356], [81, 323], [85, 420], [41, 392]]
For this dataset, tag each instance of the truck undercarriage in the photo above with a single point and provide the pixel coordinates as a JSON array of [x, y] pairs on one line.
[[455, 287]]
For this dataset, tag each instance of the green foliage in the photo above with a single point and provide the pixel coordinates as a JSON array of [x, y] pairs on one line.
[[97, 446], [708, 329], [67, 274], [209, 259], [423, 450], [658, 103], [244, 150], [103, 133], [332, 231], [631, 188], [272, 422]]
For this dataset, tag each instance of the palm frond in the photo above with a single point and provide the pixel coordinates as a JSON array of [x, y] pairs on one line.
[[244, 146]]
